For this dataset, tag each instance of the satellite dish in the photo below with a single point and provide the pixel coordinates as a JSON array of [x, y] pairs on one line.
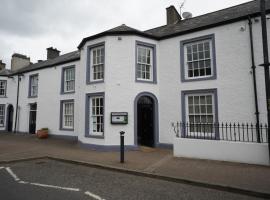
[[187, 15]]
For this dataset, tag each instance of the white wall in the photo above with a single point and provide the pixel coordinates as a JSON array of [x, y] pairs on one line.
[[252, 153], [119, 86], [10, 97], [234, 81], [48, 100]]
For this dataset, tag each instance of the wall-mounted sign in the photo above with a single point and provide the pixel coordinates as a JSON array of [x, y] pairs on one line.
[[119, 117]]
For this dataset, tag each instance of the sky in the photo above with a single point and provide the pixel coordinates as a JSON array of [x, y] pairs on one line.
[[30, 26]]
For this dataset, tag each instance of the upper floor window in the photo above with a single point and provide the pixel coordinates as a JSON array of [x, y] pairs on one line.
[[33, 87], [97, 63], [198, 59], [145, 62], [68, 79], [3, 88]]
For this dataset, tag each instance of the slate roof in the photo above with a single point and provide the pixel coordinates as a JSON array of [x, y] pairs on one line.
[[119, 30], [65, 58], [5, 72], [220, 17]]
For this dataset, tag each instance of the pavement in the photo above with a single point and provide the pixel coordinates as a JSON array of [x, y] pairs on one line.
[[50, 179], [246, 179]]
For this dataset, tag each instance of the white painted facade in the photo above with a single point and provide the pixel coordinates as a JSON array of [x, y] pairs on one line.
[[234, 85]]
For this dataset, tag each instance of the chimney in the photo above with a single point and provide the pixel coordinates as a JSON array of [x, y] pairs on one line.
[[2, 65], [172, 15], [52, 53], [19, 61]]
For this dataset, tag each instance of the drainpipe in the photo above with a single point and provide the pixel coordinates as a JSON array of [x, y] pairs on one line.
[[253, 67], [17, 102], [266, 66]]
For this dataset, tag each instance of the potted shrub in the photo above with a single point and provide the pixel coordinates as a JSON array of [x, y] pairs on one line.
[[43, 133]]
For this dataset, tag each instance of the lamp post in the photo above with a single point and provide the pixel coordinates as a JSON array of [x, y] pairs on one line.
[[266, 65]]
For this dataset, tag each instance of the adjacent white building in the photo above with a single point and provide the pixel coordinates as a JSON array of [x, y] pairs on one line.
[[195, 70]]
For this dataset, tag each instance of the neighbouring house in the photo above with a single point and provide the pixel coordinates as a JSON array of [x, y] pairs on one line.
[[196, 70]]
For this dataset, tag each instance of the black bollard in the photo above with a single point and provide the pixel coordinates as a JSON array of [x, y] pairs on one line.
[[122, 147]]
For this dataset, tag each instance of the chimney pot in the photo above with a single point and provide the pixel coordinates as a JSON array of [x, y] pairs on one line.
[[172, 15], [52, 53]]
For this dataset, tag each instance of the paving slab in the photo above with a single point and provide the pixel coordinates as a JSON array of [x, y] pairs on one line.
[[158, 162]]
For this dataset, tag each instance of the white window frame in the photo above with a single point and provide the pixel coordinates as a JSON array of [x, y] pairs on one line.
[[66, 80], [196, 132], [93, 124], [97, 63], [197, 60], [32, 86], [3, 86], [2, 114], [150, 79], [64, 115]]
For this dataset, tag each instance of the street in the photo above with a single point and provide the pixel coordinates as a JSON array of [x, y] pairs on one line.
[[49, 179]]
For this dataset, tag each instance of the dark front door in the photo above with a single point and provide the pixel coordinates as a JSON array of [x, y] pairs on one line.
[[10, 118], [145, 121], [32, 118]]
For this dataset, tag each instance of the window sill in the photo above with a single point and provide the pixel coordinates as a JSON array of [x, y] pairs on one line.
[[94, 82], [70, 92], [95, 136], [3, 97], [145, 81], [32, 96], [66, 129], [212, 77]]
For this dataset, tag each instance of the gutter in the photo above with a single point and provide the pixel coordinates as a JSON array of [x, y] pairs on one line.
[[253, 67]]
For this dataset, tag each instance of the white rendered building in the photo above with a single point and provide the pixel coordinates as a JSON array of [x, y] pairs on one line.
[[196, 70]]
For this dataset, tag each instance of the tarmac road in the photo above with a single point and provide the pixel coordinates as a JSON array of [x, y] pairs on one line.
[[48, 179]]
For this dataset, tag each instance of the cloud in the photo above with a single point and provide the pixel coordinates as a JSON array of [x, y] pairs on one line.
[[30, 26]]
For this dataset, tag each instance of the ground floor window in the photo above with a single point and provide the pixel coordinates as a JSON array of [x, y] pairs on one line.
[[2, 115], [199, 111], [95, 115], [67, 114]]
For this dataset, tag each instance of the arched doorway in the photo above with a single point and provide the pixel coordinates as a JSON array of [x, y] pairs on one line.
[[10, 111], [146, 119]]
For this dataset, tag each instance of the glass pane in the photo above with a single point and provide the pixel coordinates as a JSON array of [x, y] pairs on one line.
[[190, 100], [196, 99], [206, 46], [207, 54], [209, 99], [209, 109], [189, 57], [190, 109], [195, 56], [189, 49], [203, 109], [200, 46], [202, 99]]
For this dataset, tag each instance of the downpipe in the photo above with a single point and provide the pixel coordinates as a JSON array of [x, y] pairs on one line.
[[253, 67]]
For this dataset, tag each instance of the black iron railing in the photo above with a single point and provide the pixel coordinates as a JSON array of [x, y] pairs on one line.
[[237, 132]]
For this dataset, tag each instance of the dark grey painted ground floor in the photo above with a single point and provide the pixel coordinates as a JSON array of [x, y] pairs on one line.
[[39, 179]]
